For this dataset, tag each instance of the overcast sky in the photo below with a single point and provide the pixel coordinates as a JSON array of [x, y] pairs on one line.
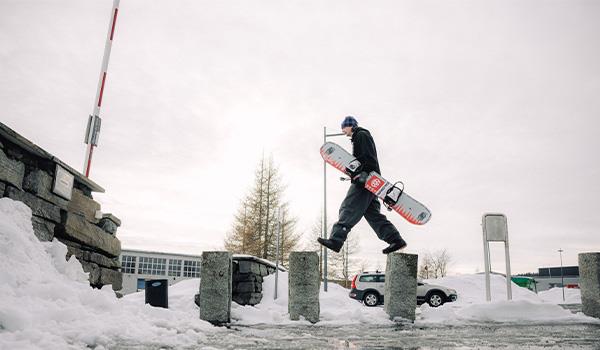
[[478, 106]]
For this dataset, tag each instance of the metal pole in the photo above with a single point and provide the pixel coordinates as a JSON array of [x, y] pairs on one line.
[[508, 274], [562, 279], [277, 255], [324, 214], [486, 261], [93, 128]]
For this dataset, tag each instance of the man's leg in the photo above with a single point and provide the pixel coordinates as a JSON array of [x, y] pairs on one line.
[[385, 230], [351, 211]]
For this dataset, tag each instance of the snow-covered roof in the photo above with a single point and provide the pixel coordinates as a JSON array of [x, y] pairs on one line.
[[257, 259]]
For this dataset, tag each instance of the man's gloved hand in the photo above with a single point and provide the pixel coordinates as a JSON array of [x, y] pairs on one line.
[[360, 179]]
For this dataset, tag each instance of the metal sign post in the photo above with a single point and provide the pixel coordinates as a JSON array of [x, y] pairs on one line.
[[93, 127], [495, 229]]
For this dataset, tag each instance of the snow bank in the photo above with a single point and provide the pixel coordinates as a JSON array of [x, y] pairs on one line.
[[47, 303], [471, 306], [555, 295], [337, 308]]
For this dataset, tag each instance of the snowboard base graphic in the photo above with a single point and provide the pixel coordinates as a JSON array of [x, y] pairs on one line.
[[393, 197]]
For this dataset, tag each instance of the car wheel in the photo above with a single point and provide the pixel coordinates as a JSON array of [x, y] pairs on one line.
[[435, 299], [371, 299]]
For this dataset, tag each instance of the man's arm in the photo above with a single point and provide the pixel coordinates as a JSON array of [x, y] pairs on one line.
[[364, 150]]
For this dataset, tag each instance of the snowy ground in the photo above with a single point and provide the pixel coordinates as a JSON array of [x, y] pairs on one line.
[[47, 304]]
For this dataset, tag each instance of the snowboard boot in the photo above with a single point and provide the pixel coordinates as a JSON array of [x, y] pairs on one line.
[[334, 245], [395, 245]]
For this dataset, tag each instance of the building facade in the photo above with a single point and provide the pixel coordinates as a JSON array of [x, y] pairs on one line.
[[553, 277], [138, 266]]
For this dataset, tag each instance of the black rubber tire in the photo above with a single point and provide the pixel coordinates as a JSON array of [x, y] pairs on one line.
[[436, 299], [371, 299]]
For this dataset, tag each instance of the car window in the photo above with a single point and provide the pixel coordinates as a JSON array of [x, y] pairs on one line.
[[367, 278], [381, 278]]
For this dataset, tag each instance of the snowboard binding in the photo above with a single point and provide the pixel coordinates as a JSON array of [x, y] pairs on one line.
[[353, 168], [393, 195]]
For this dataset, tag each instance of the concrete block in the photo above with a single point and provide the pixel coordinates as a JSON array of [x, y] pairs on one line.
[[401, 286], [304, 282], [11, 171], [589, 283], [215, 287]]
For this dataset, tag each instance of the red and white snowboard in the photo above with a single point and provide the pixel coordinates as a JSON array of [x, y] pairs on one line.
[[393, 197]]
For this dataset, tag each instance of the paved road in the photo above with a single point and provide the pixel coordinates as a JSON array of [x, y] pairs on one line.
[[411, 337], [531, 336]]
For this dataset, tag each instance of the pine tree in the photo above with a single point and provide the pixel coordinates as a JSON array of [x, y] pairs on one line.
[[254, 228]]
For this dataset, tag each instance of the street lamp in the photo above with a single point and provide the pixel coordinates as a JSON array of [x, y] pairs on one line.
[[325, 136], [562, 279]]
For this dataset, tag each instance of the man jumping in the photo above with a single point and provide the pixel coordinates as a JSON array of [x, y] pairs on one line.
[[359, 201]]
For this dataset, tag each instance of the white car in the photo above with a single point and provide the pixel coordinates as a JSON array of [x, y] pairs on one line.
[[368, 287]]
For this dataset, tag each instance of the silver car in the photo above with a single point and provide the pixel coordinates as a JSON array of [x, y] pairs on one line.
[[368, 287]]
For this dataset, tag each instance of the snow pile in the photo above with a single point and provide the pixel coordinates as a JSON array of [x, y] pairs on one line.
[[47, 302], [555, 295], [471, 306], [336, 307]]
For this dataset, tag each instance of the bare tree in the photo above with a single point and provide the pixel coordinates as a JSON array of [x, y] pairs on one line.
[[434, 265], [442, 262], [315, 232], [426, 266], [339, 265]]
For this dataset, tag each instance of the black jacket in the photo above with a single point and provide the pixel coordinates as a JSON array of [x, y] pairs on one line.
[[363, 148]]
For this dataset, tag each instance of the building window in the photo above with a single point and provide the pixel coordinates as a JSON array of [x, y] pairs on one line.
[[128, 264], [152, 266], [174, 268], [191, 268]]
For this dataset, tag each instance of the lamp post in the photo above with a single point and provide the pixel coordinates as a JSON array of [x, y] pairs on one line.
[[325, 136], [562, 279]]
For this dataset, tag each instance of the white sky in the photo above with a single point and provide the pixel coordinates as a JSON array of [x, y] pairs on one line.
[[478, 106]]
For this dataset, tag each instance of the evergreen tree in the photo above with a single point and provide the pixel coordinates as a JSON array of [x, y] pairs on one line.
[[254, 228]]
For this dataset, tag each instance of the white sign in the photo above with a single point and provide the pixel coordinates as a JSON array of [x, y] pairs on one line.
[[63, 183], [495, 227]]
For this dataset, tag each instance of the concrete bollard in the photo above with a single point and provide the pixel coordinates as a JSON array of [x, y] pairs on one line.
[[304, 282], [589, 283], [215, 287], [401, 286]]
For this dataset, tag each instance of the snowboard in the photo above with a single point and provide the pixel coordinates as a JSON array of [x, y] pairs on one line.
[[393, 197]]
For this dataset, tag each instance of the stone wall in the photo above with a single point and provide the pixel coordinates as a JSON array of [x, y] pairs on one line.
[[248, 275], [27, 174]]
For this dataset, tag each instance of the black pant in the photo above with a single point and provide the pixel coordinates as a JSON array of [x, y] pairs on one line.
[[360, 202]]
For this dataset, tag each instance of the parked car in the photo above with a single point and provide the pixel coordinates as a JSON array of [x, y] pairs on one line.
[[368, 287]]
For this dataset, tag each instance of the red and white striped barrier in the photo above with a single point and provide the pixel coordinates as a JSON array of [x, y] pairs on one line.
[[94, 121]]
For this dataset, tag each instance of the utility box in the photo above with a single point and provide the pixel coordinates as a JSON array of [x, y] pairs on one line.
[[157, 293]]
